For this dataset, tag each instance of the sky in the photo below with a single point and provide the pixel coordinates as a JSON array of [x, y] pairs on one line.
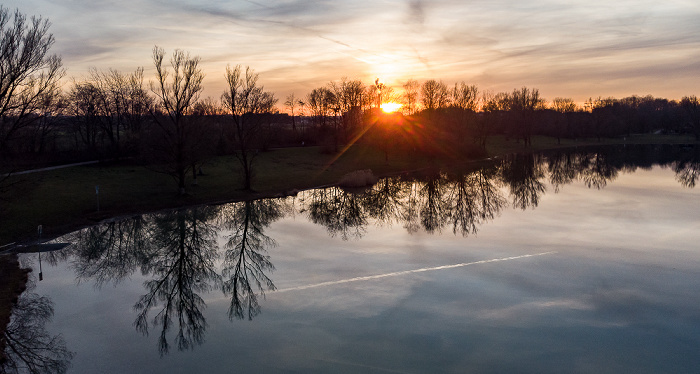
[[571, 49]]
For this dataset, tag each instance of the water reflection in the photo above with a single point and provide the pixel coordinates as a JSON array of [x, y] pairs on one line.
[[246, 263], [179, 253], [181, 262], [29, 347]]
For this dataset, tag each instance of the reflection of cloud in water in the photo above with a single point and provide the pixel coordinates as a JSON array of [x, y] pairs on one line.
[[406, 272], [518, 311]]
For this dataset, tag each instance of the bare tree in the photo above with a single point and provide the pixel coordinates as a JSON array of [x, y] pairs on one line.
[[178, 138], [28, 74], [523, 104], [692, 107], [434, 95], [410, 96], [350, 97], [565, 107], [465, 97], [249, 107], [293, 103]]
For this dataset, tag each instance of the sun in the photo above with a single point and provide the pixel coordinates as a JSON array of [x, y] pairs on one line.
[[391, 107]]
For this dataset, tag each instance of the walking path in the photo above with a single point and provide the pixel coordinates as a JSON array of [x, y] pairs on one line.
[[52, 168]]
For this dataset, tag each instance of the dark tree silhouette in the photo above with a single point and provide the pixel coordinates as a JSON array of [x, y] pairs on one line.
[[692, 108], [177, 140], [28, 73], [248, 106]]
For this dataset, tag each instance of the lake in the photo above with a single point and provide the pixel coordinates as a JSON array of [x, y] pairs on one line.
[[578, 261]]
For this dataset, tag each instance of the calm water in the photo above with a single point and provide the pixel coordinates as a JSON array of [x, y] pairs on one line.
[[578, 262]]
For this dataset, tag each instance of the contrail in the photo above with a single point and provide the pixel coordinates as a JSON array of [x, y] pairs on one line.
[[394, 274]]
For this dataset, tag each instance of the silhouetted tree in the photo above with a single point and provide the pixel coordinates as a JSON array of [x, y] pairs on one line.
[[692, 108], [177, 140], [410, 97], [292, 103], [383, 201], [29, 76], [248, 106], [564, 107], [564, 168], [434, 211], [434, 95], [523, 104]]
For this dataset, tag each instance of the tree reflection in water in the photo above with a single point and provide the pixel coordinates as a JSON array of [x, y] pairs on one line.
[[688, 169], [112, 251], [181, 262], [29, 347], [246, 263], [474, 199], [523, 175], [339, 211]]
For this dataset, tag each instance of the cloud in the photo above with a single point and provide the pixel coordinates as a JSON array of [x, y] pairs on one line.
[[625, 45]]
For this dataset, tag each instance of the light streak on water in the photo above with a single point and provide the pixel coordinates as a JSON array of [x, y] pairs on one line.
[[405, 272]]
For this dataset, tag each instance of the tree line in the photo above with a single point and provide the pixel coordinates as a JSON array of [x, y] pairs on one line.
[[164, 122]]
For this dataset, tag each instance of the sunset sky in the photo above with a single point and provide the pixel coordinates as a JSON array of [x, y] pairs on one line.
[[564, 48]]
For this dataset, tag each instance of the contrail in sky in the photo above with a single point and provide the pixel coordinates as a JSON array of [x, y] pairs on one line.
[[394, 274]]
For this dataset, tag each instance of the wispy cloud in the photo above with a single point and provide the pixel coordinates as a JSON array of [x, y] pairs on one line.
[[558, 46]]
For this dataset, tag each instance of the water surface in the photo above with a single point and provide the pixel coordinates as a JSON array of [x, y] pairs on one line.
[[584, 261]]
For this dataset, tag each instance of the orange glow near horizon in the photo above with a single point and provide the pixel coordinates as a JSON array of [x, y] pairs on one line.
[[391, 107]]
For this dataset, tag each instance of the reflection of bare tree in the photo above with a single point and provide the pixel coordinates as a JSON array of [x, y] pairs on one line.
[[523, 174], [596, 171], [473, 199], [111, 251], [409, 215], [30, 348], [687, 172], [245, 261], [339, 211], [564, 168], [383, 201], [182, 264], [434, 211]]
